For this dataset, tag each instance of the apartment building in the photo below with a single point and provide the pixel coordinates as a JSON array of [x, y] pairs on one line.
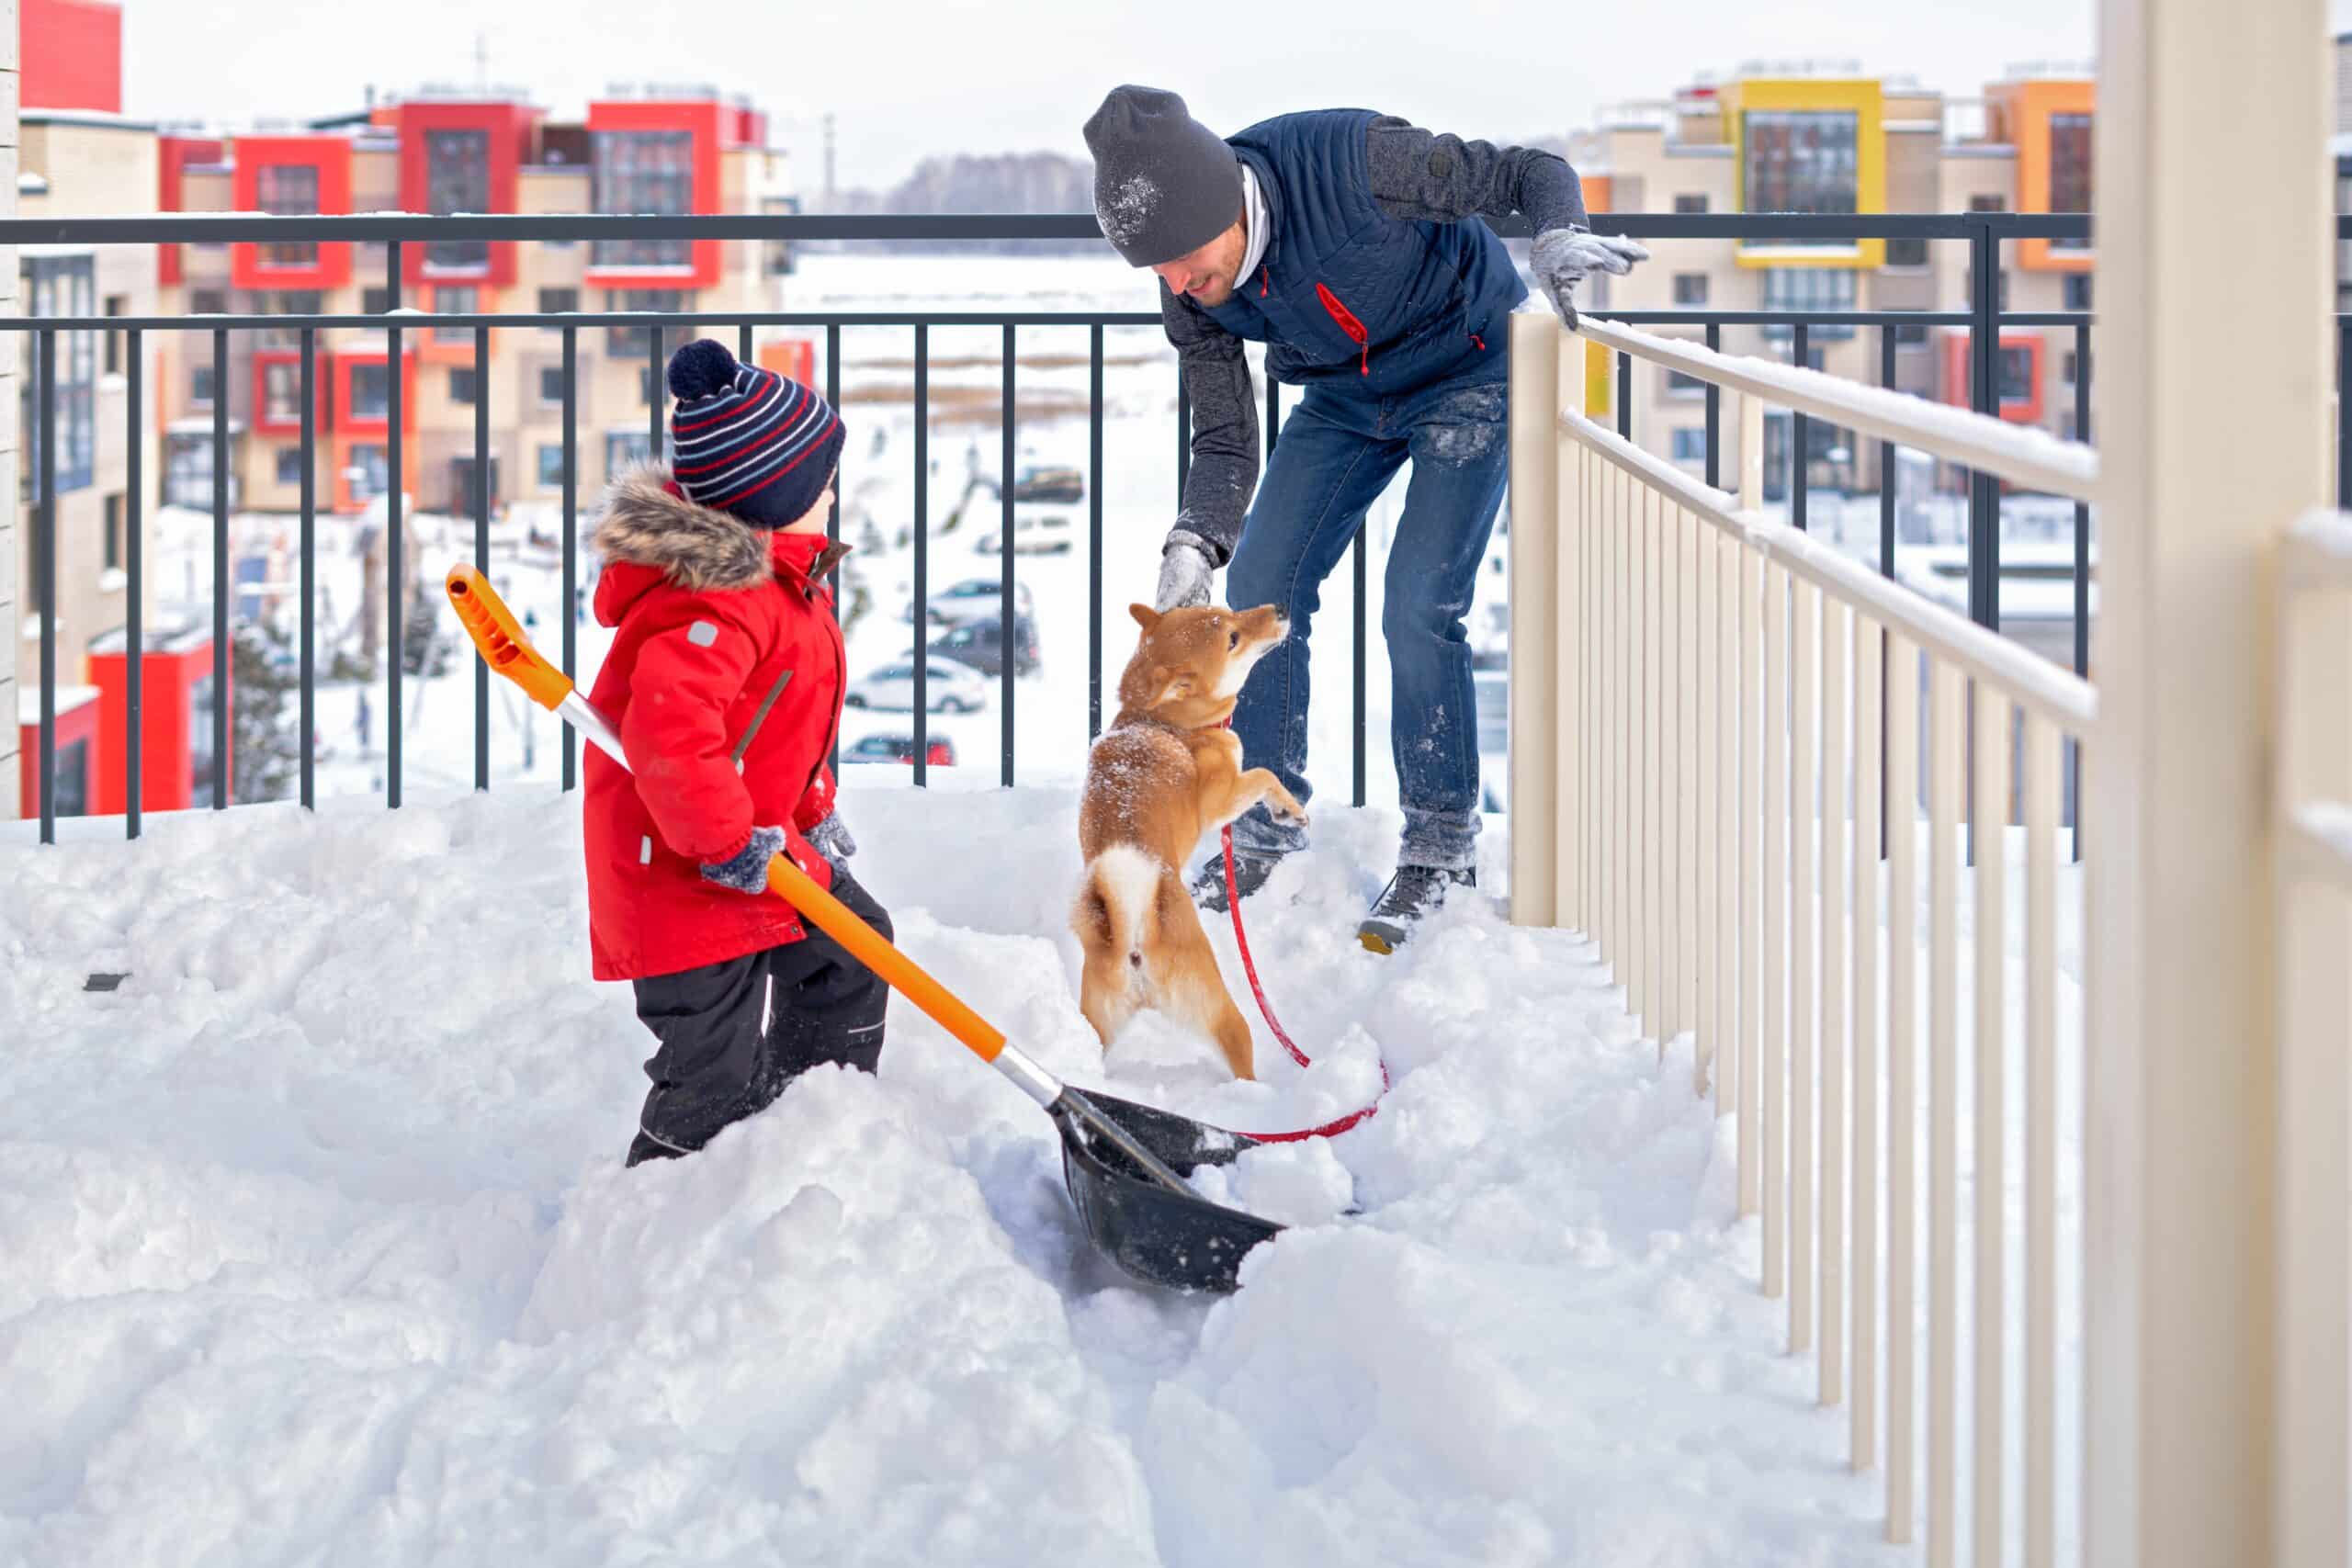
[[1823, 138], [76, 155], [649, 151]]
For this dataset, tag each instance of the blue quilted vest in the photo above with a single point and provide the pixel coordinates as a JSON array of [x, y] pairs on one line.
[[1349, 299]]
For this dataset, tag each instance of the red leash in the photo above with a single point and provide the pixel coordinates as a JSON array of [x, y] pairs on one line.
[[1249, 966]]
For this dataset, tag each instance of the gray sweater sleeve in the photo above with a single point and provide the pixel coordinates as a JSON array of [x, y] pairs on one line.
[[1225, 427], [1424, 177]]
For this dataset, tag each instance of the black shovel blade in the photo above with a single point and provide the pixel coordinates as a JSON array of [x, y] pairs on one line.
[[1180, 1241]]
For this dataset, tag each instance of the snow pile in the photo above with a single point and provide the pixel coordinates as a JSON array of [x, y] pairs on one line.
[[320, 1250]]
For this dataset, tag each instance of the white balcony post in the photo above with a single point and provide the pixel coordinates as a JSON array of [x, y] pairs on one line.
[[1535, 545], [2211, 186]]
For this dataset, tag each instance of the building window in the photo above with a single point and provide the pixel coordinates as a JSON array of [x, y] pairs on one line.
[[557, 302], [208, 302], [114, 533], [199, 740], [2017, 375], [1907, 335], [375, 301], [1679, 385], [286, 302], [462, 480], [1811, 290], [367, 474], [2070, 171], [550, 467], [1802, 161], [623, 449], [462, 386], [290, 464], [1689, 445], [642, 173], [371, 384], [457, 179], [638, 341], [199, 386], [1690, 288], [2079, 291], [188, 472], [2069, 368], [1906, 251], [289, 190], [282, 394], [1689, 203], [61, 285], [1988, 204], [455, 301], [551, 385]]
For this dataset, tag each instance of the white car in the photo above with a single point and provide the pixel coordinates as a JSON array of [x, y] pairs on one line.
[[1034, 534], [948, 687], [970, 599]]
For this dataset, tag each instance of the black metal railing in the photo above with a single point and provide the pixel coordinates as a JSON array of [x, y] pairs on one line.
[[1984, 232]]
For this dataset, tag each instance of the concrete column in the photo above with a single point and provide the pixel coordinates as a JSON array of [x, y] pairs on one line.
[[2213, 202]]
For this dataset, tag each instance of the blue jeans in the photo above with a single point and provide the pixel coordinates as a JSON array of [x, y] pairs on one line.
[[1336, 453]]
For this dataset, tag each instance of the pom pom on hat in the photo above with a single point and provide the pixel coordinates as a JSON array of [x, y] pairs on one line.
[[701, 369]]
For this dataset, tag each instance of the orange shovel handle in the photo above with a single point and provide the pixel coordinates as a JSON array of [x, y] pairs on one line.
[[501, 640], [907, 978]]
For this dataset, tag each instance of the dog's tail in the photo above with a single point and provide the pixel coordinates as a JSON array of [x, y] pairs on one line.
[[1120, 900]]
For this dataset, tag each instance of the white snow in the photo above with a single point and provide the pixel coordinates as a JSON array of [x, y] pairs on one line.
[[320, 1249]]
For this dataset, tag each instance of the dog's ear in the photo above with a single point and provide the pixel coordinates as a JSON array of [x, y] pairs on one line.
[[1146, 617]]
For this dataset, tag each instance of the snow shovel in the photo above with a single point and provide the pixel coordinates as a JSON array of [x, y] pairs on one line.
[[1123, 1164]]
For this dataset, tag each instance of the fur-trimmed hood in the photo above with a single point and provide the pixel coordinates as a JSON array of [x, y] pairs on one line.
[[698, 549]]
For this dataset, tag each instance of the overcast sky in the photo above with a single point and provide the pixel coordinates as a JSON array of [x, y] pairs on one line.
[[906, 78]]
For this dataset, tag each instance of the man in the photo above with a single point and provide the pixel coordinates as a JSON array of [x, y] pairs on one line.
[[1350, 243]]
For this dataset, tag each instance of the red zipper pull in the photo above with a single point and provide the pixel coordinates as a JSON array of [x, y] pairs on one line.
[[1364, 367], [1265, 281], [1479, 341]]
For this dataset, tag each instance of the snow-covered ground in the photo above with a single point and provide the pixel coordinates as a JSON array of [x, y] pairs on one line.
[[320, 1249]]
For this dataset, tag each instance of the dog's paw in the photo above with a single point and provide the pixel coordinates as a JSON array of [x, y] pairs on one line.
[[1290, 813]]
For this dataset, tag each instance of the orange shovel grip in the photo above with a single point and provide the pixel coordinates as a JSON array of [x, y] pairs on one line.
[[904, 975], [500, 638]]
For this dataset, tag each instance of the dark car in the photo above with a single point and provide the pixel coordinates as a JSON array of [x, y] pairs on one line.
[[1044, 483], [938, 750], [979, 643]]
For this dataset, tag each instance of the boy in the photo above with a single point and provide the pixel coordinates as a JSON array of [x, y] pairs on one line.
[[725, 681]]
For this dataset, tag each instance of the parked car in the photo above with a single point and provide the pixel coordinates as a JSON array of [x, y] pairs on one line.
[[979, 642], [1041, 483], [939, 751], [973, 597], [948, 687], [1034, 534]]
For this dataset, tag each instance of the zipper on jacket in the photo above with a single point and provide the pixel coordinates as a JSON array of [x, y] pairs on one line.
[[1265, 280], [1348, 324]]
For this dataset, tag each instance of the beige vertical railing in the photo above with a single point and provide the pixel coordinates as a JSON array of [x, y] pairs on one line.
[[1729, 679]]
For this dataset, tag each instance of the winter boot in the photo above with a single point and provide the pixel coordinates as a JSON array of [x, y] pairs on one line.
[[1250, 873], [1413, 892]]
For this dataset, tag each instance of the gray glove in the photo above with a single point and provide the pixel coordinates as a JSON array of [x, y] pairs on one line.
[[747, 870], [832, 839], [1562, 258], [1184, 571]]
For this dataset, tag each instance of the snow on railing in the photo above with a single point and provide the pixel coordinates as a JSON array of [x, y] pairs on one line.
[[1716, 723]]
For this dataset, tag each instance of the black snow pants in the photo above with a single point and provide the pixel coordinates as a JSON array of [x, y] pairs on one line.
[[734, 1034]]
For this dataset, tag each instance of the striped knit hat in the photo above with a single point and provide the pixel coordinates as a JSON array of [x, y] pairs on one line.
[[749, 442]]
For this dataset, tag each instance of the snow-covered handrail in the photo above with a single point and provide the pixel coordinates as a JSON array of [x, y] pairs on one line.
[[2024, 456], [2064, 697]]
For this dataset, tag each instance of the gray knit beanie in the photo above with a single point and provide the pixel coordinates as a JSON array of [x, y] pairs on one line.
[[1165, 185]]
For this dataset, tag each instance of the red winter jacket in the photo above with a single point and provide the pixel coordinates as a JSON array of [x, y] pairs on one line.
[[715, 621]]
